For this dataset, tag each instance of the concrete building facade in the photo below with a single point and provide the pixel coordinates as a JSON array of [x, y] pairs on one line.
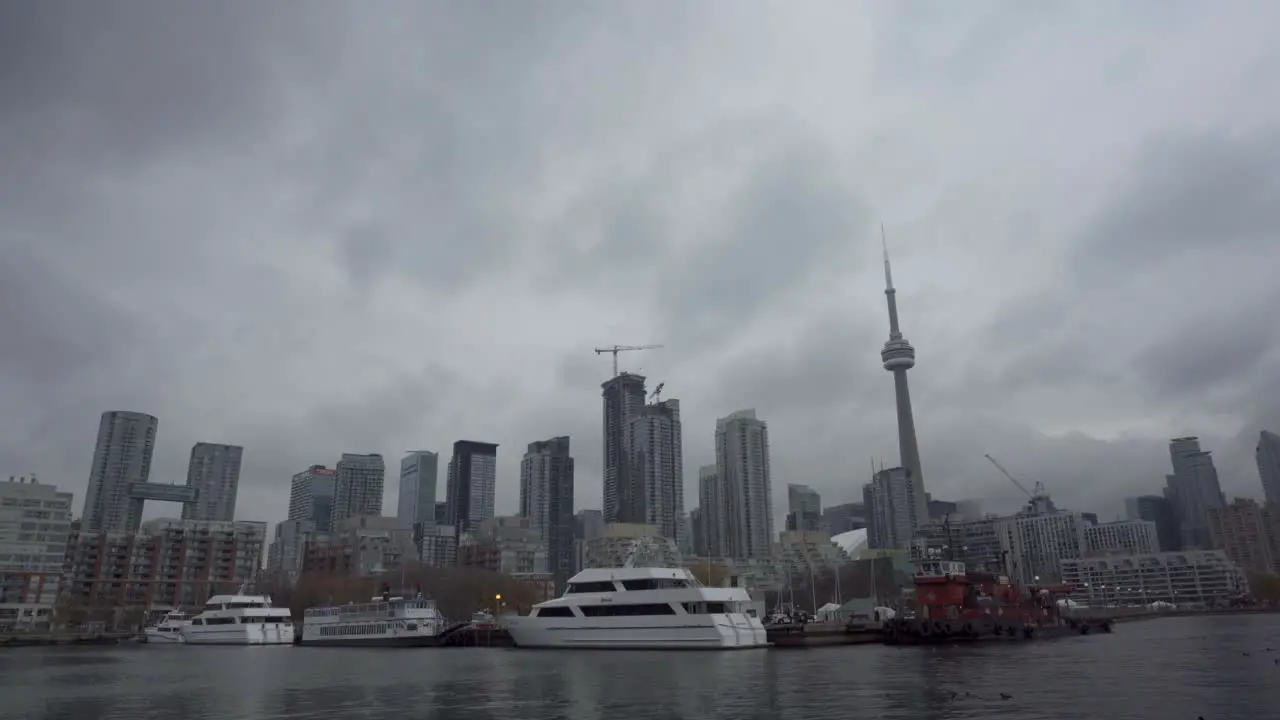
[[311, 494], [358, 487], [35, 524], [416, 496]]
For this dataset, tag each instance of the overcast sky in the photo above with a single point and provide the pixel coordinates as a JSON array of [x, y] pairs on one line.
[[309, 228]]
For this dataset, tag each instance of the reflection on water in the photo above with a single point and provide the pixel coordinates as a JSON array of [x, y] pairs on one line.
[[1176, 668]]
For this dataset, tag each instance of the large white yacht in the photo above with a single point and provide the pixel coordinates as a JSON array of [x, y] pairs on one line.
[[167, 631], [385, 621], [240, 620], [641, 608]]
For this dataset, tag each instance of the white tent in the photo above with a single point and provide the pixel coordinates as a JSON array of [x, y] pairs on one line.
[[829, 612]]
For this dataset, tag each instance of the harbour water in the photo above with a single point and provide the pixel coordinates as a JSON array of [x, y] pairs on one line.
[[1215, 667]]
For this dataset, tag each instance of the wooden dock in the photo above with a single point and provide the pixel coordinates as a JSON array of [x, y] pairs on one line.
[[17, 640], [821, 635]]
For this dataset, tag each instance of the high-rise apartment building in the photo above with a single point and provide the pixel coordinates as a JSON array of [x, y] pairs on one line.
[[742, 457], [1035, 545], [1249, 534], [1193, 490], [471, 484], [311, 496], [1268, 457], [358, 487], [804, 508], [35, 522], [121, 458], [624, 396], [1156, 509], [417, 493], [896, 507], [655, 470], [711, 501], [214, 472], [546, 483]]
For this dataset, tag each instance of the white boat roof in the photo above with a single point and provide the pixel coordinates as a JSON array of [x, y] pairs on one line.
[[219, 599], [632, 573]]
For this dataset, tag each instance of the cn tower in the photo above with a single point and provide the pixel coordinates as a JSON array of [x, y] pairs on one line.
[[899, 357]]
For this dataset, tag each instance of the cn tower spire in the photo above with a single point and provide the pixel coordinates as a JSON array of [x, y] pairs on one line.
[[898, 357]]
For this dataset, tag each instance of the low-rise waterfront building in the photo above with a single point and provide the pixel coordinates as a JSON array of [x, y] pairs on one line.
[[168, 563], [1194, 577], [35, 522]]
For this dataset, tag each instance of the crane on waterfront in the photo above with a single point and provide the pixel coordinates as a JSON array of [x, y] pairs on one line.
[[615, 349], [1038, 496]]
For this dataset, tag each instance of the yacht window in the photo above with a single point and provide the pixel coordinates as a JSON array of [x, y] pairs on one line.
[[627, 609], [590, 587], [220, 621], [711, 608], [654, 584], [554, 612], [411, 626], [198, 621]]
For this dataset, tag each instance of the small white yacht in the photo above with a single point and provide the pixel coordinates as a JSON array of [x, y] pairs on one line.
[[240, 620], [386, 621], [168, 630], [641, 608]]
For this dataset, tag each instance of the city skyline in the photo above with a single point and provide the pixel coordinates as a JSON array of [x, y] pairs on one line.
[[372, 281]]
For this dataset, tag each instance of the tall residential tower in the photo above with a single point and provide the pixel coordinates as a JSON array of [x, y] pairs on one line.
[[214, 471], [1268, 457], [546, 498], [624, 397], [899, 356], [121, 459]]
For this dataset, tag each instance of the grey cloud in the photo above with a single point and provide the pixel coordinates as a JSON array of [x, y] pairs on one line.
[[1184, 193], [305, 230]]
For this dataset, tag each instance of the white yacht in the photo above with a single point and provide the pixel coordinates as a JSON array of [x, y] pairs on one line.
[[168, 630], [240, 620], [384, 622], [641, 608]]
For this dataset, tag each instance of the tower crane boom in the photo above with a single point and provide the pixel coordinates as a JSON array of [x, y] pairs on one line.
[[615, 349], [1012, 479]]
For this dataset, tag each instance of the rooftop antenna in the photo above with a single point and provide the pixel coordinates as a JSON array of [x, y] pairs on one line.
[[888, 276]]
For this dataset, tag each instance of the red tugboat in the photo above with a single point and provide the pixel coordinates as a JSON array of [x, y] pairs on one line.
[[954, 605]]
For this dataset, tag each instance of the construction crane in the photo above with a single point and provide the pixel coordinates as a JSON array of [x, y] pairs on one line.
[[656, 395], [1038, 496], [622, 348]]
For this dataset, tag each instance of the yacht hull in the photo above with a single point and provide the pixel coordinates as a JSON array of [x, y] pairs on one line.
[[152, 636], [270, 634], [732, 631]]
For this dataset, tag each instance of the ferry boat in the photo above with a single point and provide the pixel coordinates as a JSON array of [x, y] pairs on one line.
[[385, 621], [640, 608], [168, 630], [240, 619], [954, 604]]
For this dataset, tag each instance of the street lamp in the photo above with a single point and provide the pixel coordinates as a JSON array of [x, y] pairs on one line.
[[498, 602]]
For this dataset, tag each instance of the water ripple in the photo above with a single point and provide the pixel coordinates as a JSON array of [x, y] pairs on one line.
[[1173, 668]]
